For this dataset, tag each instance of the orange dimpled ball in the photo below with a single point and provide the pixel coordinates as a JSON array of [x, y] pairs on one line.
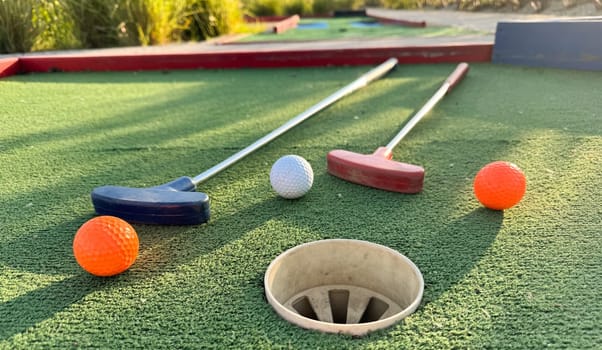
[[105, 246], [500, 185]]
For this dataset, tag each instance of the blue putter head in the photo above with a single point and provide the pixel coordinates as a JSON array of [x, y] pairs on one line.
[[173, 203]]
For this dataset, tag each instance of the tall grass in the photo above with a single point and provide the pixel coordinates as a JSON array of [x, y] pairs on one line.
[[17, 30], [264, 7], [57, 27], [96, 21], [399, 4], [136, 23], [165, 21], [211, 18], [299, 7], [157, 22]]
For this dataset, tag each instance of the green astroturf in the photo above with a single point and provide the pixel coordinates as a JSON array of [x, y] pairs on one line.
[[526, 278], [342, 28]]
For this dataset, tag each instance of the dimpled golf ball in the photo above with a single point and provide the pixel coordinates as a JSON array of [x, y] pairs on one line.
[[291, 176], [500, 185], [105, 246]]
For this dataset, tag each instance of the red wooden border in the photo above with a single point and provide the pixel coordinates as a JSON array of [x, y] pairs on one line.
[[385, 20], [286, 24], [252, 19], [399, 22], [450, 53], [9, 66], [261, 59]]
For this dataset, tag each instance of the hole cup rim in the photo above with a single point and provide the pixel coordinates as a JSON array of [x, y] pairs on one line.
[[355, 329]]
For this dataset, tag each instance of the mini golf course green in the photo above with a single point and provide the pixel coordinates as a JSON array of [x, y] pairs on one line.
[[525, 278]]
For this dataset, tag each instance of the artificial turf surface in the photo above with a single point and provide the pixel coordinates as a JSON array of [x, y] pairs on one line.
[[348, 28], [527, 277]]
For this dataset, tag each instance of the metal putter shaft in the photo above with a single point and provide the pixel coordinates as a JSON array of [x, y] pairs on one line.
[[177, 202], [378, 169]]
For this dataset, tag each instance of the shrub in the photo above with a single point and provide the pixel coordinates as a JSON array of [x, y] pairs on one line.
[[168, 20], [322, 7], [17, 33], [328, 6], [298, 7], [96, 22], [210, 18], [136, 24], [57, 27], [400, 4], [266, 7]]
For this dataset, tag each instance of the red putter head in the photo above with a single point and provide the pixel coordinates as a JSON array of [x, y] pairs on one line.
[[376, 170]]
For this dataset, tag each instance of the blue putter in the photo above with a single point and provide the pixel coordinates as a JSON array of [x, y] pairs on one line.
[[174, 203]]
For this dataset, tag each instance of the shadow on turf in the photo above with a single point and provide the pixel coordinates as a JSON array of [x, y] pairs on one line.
[[163, 248], [31, 308], [45, 251], [195, 109], [453, 252]]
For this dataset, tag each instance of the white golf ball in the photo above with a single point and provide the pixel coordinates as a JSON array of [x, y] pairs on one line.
[[291, 176]]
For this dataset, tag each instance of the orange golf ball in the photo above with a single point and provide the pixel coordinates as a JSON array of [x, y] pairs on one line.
[[105, 246], [500, 185]]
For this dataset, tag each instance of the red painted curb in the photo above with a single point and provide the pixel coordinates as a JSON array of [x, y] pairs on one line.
[[254, 19], [286, 24], [248, 59], [399, 22], [9, 66]]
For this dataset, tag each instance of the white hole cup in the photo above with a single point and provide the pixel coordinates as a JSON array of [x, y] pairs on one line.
[[343, 286]]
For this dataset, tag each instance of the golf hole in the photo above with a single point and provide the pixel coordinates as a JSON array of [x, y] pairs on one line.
[[343, 286]]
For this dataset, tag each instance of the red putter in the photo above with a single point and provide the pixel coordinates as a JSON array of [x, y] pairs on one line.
[[378, 170]]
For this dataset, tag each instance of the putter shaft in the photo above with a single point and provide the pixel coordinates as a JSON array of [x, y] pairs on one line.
[[449, 83], [360, 82]]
